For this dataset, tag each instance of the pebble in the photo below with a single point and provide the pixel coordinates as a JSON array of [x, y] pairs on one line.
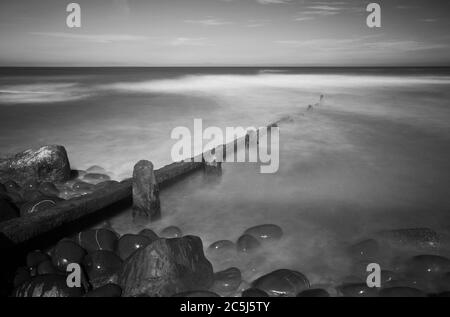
[[101, 265], [247, 243], [265, 232], [254, 292], [222, 246], [49, 189], [227, 281], [96, 178], [357, 290], [171, 232], [66, 252], [12, 186], [149, 234], [97, 239], [130, 243], [283, 282]]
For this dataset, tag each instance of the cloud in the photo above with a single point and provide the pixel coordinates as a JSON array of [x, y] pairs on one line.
[[210, 21], [188, 41], [324, 9], [97, 38]]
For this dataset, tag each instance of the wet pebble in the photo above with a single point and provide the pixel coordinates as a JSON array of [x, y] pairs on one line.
[[130, 243], [66, 252], [82, 186], [108, 290], [401, 292], [96, 169], [282, 283], [427, 265], [222, 246], [36, 206], [247, 243], [357, 290], [46, 267], [101, 266], [30, 185], [265, 232], [97, 239], [254, 292], [171, 232], [49, 189], [317, 292], [96, 178], [12, 186], [227, 281], [149, 234]]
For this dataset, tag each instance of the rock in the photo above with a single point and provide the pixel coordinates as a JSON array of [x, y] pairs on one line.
[[95, 178], [96, 170], [286, 283], [7, 210], [317, 292], [21, 276], [12, 186], [427, 265], [49, 189], [196, 294], [171, 232], [367, 249], [108, 290], [357, 290], [46, 267], [39, 205], [227, 281], [222, 246], [130, 243], [16, 198], [102, 267], [401, 292], [247, 243], [47, 286], [46, 164], [145, 191], [82, 186], [30, 185], [65, 253], [422, 238], [149, 234], [166, 267], [3, 189], [105, 184], [265, 232], [254, 292], [97, 239], [32, 195], [34, 258]]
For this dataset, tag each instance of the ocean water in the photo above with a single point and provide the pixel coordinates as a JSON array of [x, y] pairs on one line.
[[375, 155]]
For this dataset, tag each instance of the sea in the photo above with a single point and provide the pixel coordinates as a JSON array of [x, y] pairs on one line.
[[373, 155]]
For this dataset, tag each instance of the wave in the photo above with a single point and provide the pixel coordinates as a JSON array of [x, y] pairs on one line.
[[42, 93]]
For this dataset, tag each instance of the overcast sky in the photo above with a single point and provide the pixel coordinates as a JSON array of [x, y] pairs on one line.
[[224, 33]]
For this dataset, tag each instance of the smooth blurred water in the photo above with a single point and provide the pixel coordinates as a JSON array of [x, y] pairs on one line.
[[375, 155]]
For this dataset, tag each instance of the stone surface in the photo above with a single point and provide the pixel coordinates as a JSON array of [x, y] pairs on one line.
[[265, 232], [317, 292], [254, 292], [171, 232], [7, 210], [38, 205], [48, 189], [282, 283], [149, 234], [34, 258], [47, 286], [427, 265], [66, 252], [145, 191], [247, 243], [222, 246], [227, 281], [357, 290], [102, 267], [48, 163], [167, 267], [130, 243], [108, 290], [97, 239]]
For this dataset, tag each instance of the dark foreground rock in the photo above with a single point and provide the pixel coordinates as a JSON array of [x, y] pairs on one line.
[[46, 164], [401, 292], [109, 290], [196, 294], [254, 292], [282, 283], [227, 281], [317, 292], [47, 286], [7, 210], [167, 267], [102, 267]]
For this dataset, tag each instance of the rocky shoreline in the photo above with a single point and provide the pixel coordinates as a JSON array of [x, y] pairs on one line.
[[167, 263]]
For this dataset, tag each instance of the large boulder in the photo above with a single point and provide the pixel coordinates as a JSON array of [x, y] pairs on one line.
[[167, 267], [46, 164]]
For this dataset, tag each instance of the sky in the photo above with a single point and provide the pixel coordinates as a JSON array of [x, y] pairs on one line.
[[224, 33]]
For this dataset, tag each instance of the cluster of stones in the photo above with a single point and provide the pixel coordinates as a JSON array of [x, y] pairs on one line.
[[35, 180]]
